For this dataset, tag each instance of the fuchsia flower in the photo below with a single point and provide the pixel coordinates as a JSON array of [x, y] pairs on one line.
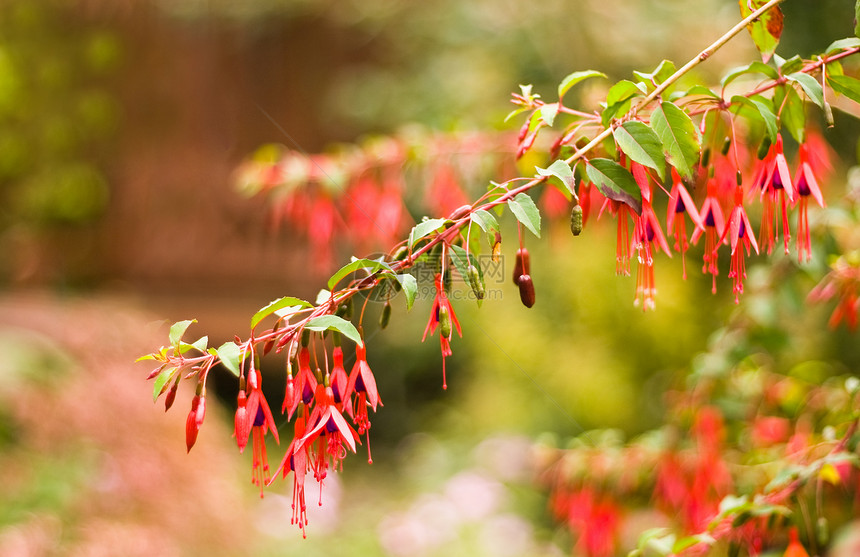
[[843, 283], [740, 236], [774, 180], [254, 417], [362, 383], [714, 225], [302, 389], [646, 231], [296, 461], [442, 315], [327, 426], [622, 235], [680, 202], [807, 186]]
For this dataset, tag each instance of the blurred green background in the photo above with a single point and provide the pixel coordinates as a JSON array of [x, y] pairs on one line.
[[121, 125]]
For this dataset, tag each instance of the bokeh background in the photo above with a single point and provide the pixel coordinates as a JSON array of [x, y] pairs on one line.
[[122, 124]]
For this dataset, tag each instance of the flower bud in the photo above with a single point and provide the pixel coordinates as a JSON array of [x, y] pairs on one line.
[[727, 143], [385, 316], [497, 247], [706, 156], [527, 290], [171, 395], [828, 114], [522, 264], [576, 220], [192, 428], [444, 322], [475, 281]]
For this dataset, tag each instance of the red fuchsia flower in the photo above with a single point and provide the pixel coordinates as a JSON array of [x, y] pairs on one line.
[[740, 238], [296, 461], [362, 383], [327, 426], [807, 186], [775, 181], [714, 227], [340, 381], [445, 192], [842, 282], [795, 548], [646, 231], [254, 417], [194, 420], [594, 518], [302, 389], [680, 202], [622, 234], [442, 315]]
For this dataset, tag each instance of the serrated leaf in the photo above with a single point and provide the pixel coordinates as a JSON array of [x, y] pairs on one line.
[[680, 137], [810, 86], [526, 212], [229, 355], [548, 113], [335, 323], [754, 67], [615, 182], [842, 44], [575, 78], [275, 305], [424, 228], [369, 265], [641, 144], [845, 85], [161, 381], [562, 171], [178, 329], [410, 288], [767, 29], [486, 221]]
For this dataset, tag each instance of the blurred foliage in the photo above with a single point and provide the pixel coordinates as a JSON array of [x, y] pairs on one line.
[[56, 117]]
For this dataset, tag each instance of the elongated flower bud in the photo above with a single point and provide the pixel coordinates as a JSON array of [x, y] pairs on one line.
[[385, 316], [171, 395], [522, 265], [527, 290], [576, 220], [444, 321], [497, 247], [727, 144], [475, 282], [192, 427]]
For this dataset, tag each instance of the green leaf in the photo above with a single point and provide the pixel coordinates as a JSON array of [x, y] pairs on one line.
[[370, 265], [424, 228], [618, 99], [229, 355], [615, 182], [791, 65], [680, 137], [660, 74], [793, 116], [843, 44], [486, 221], [275, 305], [526, 212], [857, 18], [575, 78], [161, 381], [766, 30], [700, 90], [200, 345], [755, 67], [178, 329], [335, 323], [765, 108], [410, 288], [810, 86], [641, 144], [548, 113], [845, 85], [562, 171]]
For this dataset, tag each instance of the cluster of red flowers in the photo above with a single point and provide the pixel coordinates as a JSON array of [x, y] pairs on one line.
[[357, 196], [321, 403], [727, 188]]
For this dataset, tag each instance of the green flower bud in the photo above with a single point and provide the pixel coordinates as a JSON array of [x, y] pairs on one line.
[[475, 281], [385, 316]]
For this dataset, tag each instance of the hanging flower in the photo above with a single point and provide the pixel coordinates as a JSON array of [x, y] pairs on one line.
[[442, 315], [302, 389], [254, 417], [646, 232], [842, 282], [807, 186], [714, 225], [296, 461], [740, 238], [680, 202], [774, 180], [795, 548], [362, 383]]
